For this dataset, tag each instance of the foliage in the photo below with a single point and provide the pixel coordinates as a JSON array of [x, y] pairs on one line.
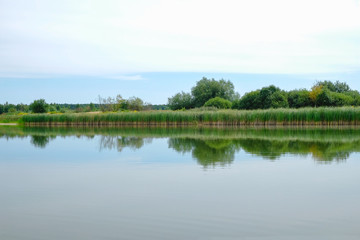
[[249, 101], [180, 100], [314, 93], [278, 99], [341, 99], [135, 103], [338, 87], [39, 106], [206, 89], [281, 116], [218, 103], [299, 98], [267, 97]]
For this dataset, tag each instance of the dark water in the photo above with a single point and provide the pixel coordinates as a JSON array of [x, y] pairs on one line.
[[151, 183]]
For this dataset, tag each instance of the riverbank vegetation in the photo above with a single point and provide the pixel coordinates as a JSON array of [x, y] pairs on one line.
[[213, 117], [210, 102]]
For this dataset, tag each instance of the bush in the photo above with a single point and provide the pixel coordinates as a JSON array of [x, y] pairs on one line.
[[39, 106], [218, 102], [180, 100], [299, 98]]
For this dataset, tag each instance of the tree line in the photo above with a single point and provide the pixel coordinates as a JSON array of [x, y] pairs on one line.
[[105, 104], [211, 93], [221, 94]]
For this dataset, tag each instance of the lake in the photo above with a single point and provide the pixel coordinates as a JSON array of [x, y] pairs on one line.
[[179, 183]]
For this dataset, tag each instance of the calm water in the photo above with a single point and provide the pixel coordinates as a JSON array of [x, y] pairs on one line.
[[179, 183]]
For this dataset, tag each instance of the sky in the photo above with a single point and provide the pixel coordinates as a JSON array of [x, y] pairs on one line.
[[73, 51]]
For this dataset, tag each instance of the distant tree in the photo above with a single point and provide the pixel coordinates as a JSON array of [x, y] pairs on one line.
[[107, 104], [324, 98], [249, 101], [278, 100], [341, 99], [314, 93], [299, 98], [92, 107], [39, 106], [339, 87], [22, 107], [180, 100], [1, 109], [135, 103], [272, 97], [52, 108], [120, 103], [206, 89], [12, 110], [355, 95], [218, 102]]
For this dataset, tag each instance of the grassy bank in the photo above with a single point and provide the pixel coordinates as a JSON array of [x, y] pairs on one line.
[[4, 118], [305, 116]]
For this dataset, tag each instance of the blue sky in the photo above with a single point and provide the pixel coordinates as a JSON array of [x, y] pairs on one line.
[[73, 51]]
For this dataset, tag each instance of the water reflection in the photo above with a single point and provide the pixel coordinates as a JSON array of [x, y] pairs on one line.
[[212, 147], [206, 152], [119, 143], [40, 141]]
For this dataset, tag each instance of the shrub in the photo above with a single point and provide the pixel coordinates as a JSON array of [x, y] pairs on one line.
[[39, 106], [218, 102]]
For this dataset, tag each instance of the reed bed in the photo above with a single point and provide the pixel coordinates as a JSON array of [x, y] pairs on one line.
[[299, 117], [9, 118]]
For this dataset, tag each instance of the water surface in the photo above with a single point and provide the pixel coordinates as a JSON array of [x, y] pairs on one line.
[[179, 183]]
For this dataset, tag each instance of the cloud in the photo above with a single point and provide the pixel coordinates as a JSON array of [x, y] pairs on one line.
[[105, 38]]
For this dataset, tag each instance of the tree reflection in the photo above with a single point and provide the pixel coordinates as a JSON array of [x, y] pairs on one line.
[[208, 153], [40, 141], [119, 142], [211, 146], [222, 152]]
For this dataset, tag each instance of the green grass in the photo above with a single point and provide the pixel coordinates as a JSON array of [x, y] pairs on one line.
[[304, 116], [6, 118]]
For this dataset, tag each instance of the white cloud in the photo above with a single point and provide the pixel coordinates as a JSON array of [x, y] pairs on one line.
[[108, 37]]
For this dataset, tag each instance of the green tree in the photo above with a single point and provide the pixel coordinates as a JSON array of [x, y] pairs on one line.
[[218, 102], [250, 100], [278, 100], [92, 107], [206, 89], [299, 98], [266, 98], [180, 100], [339, 87], [39, 106], [324, 98], [135, 103], [340, 99], [120, 103]]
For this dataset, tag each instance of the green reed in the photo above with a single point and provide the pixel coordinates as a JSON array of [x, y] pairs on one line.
[[304, 116]]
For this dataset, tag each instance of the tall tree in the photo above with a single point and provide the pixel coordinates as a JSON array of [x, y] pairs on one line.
[[206, 89], [39, 106], [180, 100]]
